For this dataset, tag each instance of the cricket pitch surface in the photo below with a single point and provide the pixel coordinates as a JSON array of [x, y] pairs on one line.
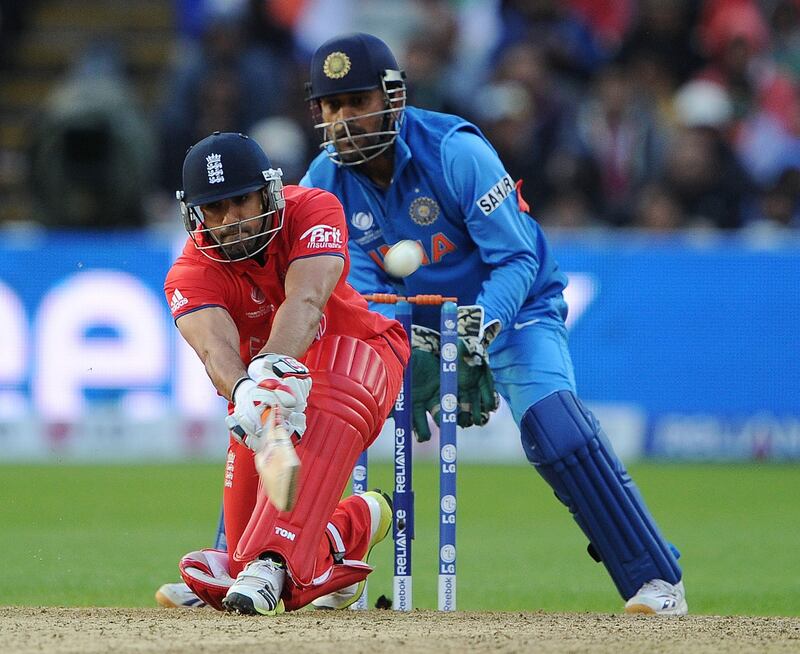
[[60, 630]]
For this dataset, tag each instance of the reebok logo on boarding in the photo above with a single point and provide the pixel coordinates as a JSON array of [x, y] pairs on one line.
[[323, 236], [285, 533], [177, 301], [493, 198]]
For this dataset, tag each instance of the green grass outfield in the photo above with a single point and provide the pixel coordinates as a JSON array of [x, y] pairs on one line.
[[109, 535]]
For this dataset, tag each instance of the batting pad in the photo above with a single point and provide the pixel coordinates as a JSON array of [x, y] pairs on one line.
[[344, 416], [206, 574], [565, 443]]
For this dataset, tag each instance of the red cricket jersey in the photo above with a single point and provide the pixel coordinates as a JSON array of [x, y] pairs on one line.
[[314, 225]]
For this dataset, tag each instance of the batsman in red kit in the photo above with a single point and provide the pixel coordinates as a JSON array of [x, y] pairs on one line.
[[260, 293]]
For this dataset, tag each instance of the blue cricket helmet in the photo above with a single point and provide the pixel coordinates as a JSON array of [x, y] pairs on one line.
[[349, 63], [225, 165]]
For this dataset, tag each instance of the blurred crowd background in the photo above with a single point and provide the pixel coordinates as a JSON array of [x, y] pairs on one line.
[[659, 115]]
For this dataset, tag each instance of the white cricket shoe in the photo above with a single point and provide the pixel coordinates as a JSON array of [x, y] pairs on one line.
[[380, 513], [178, 596], [257, 589], [658, 597]]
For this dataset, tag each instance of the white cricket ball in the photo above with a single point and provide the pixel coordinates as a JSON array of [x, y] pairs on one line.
[[403, 258]]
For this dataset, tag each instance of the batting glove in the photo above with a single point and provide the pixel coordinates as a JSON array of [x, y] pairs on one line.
[[275, 382]]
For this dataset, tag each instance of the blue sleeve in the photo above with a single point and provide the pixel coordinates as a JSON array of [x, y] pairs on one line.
[[366, 277], [306, 181], [504, 235]]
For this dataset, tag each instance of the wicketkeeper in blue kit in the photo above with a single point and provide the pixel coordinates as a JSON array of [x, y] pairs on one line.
[[406, 173]]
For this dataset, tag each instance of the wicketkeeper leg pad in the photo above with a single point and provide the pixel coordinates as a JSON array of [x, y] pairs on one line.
[[344, 416], [565, 443], [206, 573]]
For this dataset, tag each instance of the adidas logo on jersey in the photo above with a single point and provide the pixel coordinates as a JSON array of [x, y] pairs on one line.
[[177, 301]]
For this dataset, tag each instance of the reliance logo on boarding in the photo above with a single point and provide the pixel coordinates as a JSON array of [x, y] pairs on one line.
[[323, 236]]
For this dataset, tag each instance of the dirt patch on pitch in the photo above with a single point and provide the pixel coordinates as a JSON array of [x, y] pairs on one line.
[[60, 630]]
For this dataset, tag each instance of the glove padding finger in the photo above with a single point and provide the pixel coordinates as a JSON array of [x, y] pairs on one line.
[[424, 391], [476, 394], [489, 399], [247, 400], [236, 430], [419, 419], [293, 423]]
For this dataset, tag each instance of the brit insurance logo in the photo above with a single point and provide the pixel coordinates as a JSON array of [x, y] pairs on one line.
[[214, 168], [424, 210], [362, 220], [323, 236]]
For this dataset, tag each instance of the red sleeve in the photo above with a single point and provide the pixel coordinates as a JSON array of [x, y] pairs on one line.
[[318, 226], [191, 285]]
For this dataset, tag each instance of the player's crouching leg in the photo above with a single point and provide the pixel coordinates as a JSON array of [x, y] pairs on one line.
[[265, 588], [380, 509], [255, 591], [258, 587]]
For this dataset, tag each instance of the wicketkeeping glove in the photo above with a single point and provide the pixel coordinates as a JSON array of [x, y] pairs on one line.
[[476, 395], [274, 381], [424, 380]]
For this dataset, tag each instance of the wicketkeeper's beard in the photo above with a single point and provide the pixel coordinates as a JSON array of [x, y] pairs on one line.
[[356, 146]]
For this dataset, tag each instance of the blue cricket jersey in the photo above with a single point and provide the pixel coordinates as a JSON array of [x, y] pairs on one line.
[[451, 194]]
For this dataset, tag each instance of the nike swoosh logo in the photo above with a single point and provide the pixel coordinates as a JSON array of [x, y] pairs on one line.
[[520, 325]]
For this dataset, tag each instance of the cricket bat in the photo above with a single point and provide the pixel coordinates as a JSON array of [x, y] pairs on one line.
[[277, 462]]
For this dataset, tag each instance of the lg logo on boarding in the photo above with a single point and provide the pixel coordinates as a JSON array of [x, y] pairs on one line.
[[360, 473], [449, 403], [447, 553], [448, 504]]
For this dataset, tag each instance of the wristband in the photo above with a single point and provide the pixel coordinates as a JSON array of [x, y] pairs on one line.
[[236, 386]]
